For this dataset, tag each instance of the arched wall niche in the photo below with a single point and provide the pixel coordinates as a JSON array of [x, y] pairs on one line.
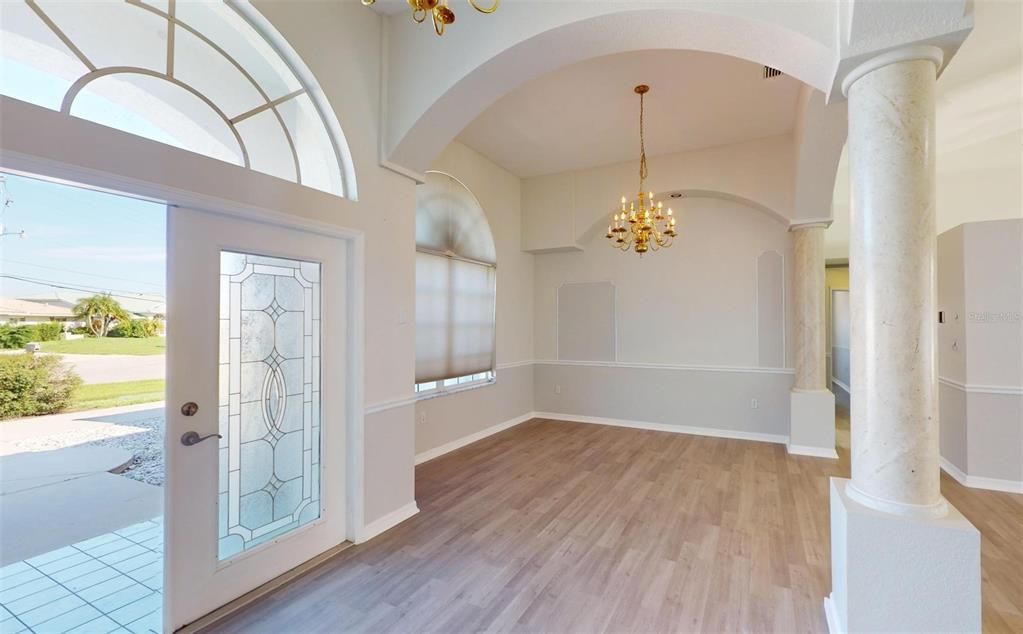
[[598, 227], [722, 300]]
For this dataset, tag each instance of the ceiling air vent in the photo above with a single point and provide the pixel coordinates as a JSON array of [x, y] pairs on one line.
[[770, 73]]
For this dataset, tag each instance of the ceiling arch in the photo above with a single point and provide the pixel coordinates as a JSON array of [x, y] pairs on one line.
[[426, 110], [818, 43]]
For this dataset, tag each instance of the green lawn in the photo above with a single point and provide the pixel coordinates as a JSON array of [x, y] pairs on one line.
[[117, 394], [108, 345]]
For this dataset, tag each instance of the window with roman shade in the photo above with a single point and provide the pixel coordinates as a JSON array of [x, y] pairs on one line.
[[456, 284]]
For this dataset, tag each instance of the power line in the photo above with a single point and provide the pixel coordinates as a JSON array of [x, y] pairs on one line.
[[57, 268], [51, 284]]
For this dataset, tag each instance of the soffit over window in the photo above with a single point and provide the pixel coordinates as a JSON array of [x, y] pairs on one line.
[[196, 75], [456, 283]]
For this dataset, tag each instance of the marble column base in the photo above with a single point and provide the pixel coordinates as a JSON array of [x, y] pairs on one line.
[[891, 573], [812, 423]]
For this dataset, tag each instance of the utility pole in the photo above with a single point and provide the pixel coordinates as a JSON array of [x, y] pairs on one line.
[[7, 202]]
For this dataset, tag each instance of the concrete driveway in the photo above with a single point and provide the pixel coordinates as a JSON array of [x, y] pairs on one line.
[[56, 489], [113, 368]]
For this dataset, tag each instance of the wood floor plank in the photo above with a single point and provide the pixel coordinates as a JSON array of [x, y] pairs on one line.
[[567, 527]]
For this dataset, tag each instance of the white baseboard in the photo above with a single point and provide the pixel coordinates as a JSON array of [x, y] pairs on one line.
[[436, 452], [676, 429], [814, 452], [831, 616], [386, 522], [978, 482]]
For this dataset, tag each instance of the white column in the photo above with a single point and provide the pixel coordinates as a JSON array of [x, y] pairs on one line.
[[808, 290], [902, 558], [812, 405], [892, 290]]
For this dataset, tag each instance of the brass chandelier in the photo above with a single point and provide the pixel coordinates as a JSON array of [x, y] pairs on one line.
[[647, 227], [439, 9]]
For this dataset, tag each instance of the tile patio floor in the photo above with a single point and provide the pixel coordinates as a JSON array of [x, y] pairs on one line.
[[110, 583]]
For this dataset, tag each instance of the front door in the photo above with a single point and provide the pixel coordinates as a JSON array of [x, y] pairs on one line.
[[257, 313]]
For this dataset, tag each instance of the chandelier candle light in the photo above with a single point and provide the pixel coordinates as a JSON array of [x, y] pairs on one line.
[[648, 226], [439, 9]]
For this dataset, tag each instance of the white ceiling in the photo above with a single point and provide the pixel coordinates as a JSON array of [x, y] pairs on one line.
[[586, 114], [390, 7]]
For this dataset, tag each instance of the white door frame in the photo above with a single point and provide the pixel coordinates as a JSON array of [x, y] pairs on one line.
[[110, 182]]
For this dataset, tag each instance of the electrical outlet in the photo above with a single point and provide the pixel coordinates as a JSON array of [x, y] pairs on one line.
[[557, 389], [422, 418], [754, 404]]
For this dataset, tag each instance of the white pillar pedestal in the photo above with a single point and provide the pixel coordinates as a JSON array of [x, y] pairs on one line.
[[812, 424], [893, 573]]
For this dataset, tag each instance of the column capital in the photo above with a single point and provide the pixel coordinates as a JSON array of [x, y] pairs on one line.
[[810, 223], [907, 54]]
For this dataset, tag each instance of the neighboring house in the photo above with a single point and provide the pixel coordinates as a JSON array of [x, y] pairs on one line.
[[140, 306], [17, 311]]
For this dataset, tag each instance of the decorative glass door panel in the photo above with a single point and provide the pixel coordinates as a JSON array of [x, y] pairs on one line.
[[269, 404]]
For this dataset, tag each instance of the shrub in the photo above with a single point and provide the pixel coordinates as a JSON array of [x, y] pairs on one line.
[[50, 331], [15, 336], [137, 328], [31, 385]]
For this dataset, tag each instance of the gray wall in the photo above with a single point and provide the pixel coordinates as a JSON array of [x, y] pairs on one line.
[[684, 398], [980, 357], [446, 419], [840, 345]]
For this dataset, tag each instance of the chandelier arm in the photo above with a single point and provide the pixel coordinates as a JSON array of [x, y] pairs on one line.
[[481, 9]]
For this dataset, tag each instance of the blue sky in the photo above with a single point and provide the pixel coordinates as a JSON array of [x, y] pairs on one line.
[[78, 237], [81, 238]]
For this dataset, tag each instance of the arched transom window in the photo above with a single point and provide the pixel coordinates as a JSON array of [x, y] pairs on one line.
[[209, 76], [456, 286]]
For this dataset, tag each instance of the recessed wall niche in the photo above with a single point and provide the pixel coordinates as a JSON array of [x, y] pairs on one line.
[[586, 321]]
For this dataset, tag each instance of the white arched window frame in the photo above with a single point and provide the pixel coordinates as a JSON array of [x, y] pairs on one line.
[[456, 288], [211, 77]]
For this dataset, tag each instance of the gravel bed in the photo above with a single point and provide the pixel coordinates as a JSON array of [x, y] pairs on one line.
[[139, 432]]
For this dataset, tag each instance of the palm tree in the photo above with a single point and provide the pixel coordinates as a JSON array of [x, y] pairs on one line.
[[101, 313]]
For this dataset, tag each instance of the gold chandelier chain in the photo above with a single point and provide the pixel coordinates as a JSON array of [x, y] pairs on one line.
[[642, 146]]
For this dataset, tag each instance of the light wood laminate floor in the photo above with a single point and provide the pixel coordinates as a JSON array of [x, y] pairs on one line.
[[570, 527]]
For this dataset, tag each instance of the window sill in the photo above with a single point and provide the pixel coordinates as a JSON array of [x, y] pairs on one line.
[[448, 391]]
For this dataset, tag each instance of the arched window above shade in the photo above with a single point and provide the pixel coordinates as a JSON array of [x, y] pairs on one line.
[[456, 286], [211, 77], [450, 220]]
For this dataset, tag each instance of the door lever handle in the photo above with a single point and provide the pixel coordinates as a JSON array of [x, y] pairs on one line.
[[190, 438]]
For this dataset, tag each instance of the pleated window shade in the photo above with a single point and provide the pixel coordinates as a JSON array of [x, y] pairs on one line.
[[456, 282]]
